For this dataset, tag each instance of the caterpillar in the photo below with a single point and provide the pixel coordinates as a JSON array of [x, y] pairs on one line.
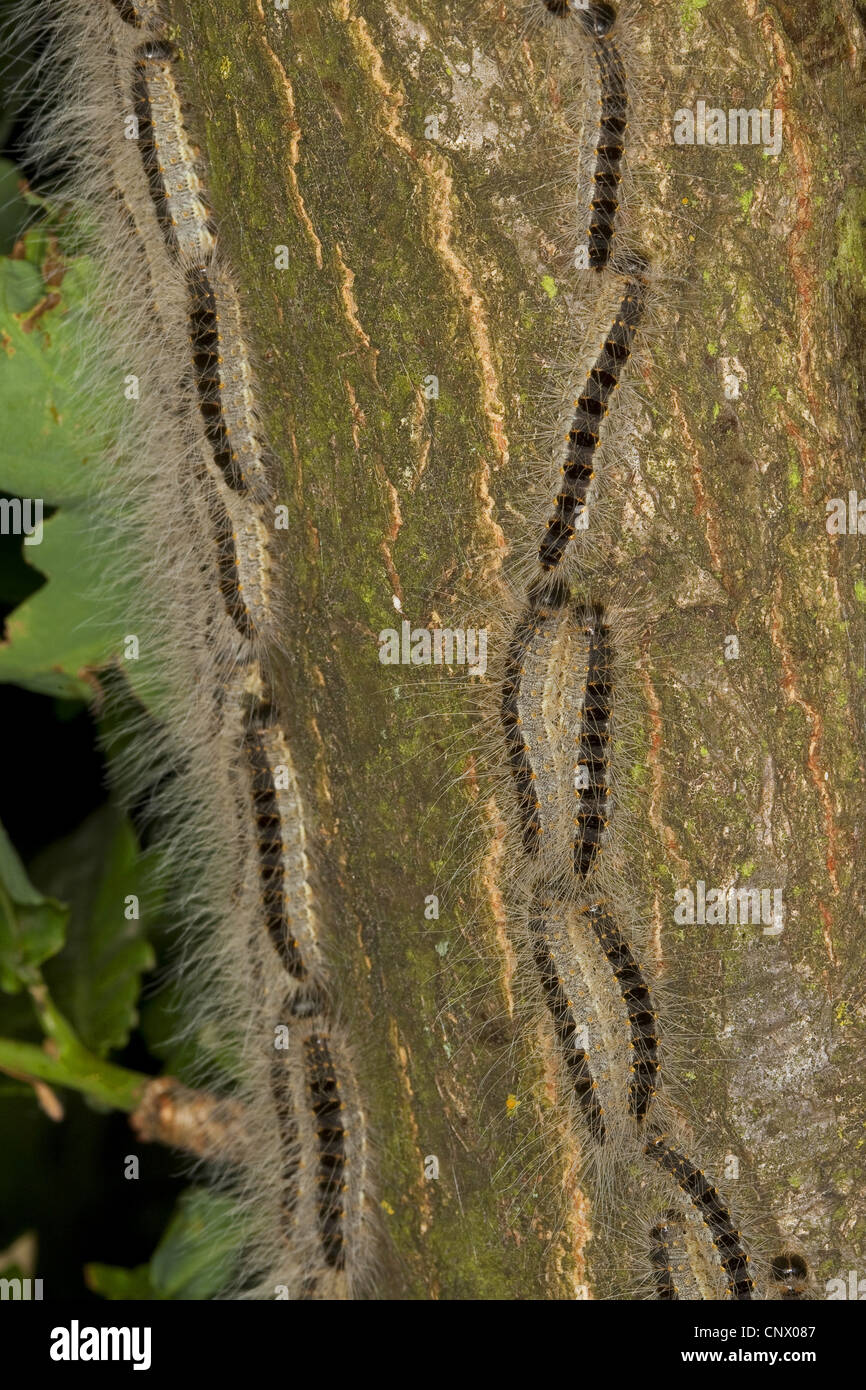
[[598, 19], [684, 1261], [326, 1105], [556, 712], [577, 470], [715, 1215], [556, 716], [790, 1273], [595, 987], [255, 928], [326, 1186], [593, 813], [564, 998], [642, 1017], [137, 15], [243, 541], [286, 897], [286, 879], [223, 378], [542, 701], [168, 159], [660, 1257]]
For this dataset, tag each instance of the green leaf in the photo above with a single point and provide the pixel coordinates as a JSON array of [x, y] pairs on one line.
[[96, 979], [56, 639], [14, 211], [32, 926], [18, 580], [199, 1248], [46, 335], [51, 440], [61, 404], [116, 1284], [193, 1260], [21, 289], [182, 1051]]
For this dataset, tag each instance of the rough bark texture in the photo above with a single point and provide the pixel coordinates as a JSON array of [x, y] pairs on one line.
[[411, 256]]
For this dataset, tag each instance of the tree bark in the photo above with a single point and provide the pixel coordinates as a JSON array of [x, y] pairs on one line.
[[418, 249]]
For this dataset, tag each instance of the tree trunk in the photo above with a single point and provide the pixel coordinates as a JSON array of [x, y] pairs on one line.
[[419, 164]]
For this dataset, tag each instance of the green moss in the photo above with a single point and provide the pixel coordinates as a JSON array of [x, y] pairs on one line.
[[748, 316], [690, 13], [849, 264]]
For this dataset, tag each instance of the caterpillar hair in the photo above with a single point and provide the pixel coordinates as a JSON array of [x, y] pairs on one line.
[[714, 1213], [190, 489], [167, 155]]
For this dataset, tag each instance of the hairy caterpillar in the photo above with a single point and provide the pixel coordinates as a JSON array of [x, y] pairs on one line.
[[593, 801], [598, 20], [682, 1259], [325, 1179], [136, 14], [538, 716], [286, 889], [583, 438], [244, 542], [715, 1215], [590, 970], [791, 1273], [192, 483], [286, 895], [538, 734], [569, 1002], [168, 158], [559, 681], [223, 378]]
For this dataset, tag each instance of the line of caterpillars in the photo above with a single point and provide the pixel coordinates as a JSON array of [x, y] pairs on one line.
[[605, 1024], [237, 490]]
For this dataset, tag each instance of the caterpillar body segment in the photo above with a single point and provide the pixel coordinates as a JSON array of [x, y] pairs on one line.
[[168, 157]]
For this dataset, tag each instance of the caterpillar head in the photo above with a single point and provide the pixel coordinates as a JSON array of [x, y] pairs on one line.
[[598, 17], [791, 1274]]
